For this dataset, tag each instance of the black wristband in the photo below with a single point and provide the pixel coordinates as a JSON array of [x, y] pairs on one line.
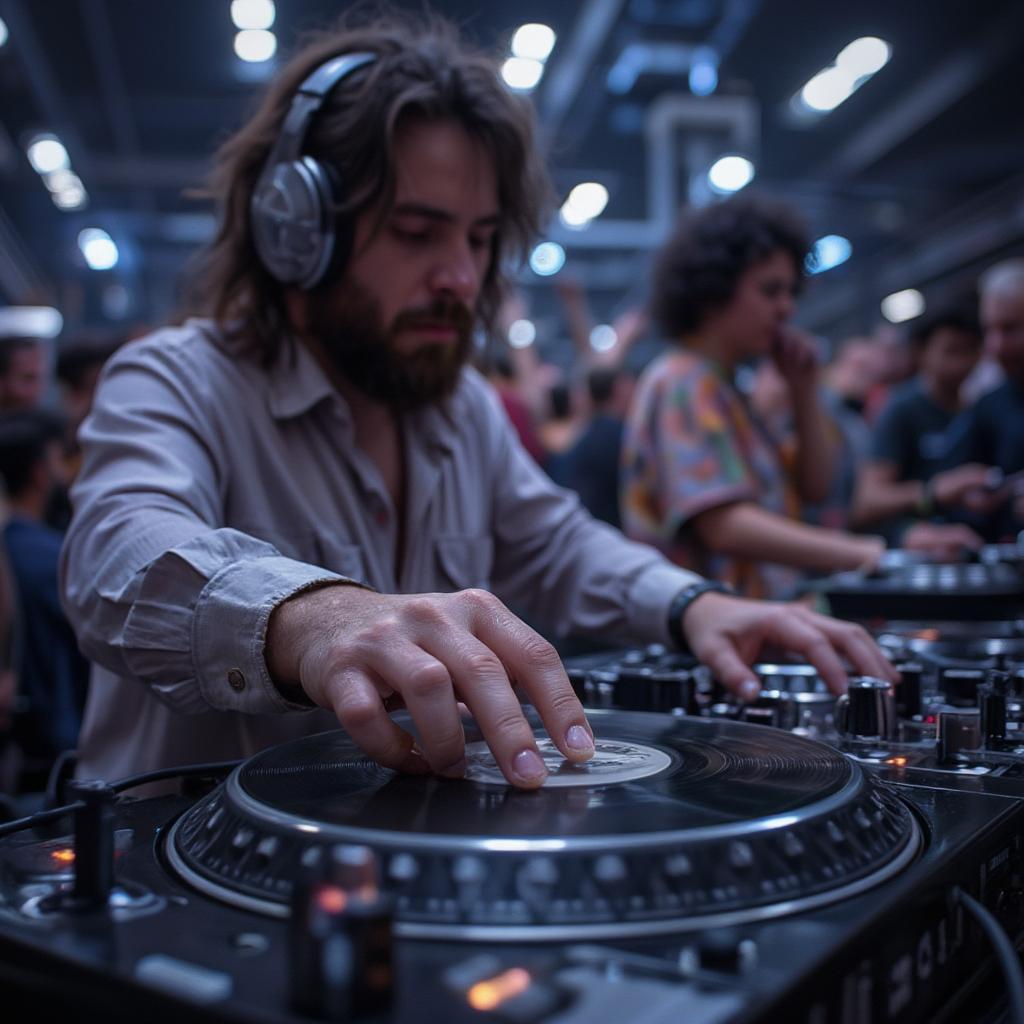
[[682, 601]]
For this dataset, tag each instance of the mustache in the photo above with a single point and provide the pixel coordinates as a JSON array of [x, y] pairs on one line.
[[444, 312]]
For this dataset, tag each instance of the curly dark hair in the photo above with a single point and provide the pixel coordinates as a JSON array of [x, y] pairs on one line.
[[698, 268], [423, 69]]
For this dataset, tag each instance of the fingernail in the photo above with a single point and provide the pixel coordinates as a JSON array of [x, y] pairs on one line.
[[750, 689], [529, 766], [577, 738], [454, 771]]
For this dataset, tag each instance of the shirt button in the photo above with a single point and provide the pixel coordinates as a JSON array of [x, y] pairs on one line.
[[236, 680]]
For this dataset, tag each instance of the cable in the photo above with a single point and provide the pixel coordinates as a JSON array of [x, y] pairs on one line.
[[42, 817], [1004, 949]]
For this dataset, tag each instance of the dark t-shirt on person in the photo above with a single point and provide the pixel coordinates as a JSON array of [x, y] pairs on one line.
[[913, 434]]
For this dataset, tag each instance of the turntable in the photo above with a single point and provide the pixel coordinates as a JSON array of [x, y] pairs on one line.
[[698, 869]]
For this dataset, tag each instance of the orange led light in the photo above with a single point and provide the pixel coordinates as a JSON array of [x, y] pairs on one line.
[[900, 762], [65, 855], [489, 994], [331, 900]]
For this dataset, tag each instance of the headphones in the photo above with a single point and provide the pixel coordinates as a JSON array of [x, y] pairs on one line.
[[291, 213]]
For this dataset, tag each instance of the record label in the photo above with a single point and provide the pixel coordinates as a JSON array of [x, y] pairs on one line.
[[614, 762]]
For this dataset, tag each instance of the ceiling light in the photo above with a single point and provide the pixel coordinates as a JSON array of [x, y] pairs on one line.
[[74, 197], [904, 305], [827, 252], [521, 333], [730, 174], [547, 259], [253, 14], [30, 322], [603, 338], [585, 202], [703, 78], [61, 180], [98, 248], [827, 89], [4, 34], [533, 41], [46, 153], [864, 56], [255, 45], [522, 73]]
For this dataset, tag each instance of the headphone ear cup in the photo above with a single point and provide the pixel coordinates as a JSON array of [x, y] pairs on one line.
[[293, 221]]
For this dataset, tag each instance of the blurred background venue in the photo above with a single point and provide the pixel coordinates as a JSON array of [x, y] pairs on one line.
[[897, 129]]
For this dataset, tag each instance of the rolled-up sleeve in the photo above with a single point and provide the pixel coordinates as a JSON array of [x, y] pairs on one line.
[[156, 589], [575, 574]]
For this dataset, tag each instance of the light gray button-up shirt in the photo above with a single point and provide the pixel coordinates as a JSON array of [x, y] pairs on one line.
[[213, 489]]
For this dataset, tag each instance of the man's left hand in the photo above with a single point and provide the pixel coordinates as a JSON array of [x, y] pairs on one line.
[[727, 634]]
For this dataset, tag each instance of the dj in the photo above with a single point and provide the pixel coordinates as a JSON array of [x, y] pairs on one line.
[[305, 500]]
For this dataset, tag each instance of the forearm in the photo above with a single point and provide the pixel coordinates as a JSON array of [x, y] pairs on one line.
[[815, 455], [745, 530], [875, 501]]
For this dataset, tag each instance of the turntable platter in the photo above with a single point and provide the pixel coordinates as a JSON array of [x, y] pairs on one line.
[[676, 822]]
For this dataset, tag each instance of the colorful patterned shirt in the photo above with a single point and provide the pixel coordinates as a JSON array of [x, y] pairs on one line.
[[692, 444]]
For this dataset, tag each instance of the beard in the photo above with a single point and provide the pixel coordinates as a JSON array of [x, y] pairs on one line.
[[365, 351]]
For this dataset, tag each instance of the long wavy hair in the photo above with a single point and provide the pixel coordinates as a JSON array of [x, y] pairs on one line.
[[423, 69]]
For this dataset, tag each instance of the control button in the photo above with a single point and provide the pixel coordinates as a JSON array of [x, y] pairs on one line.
[[867, 709], [185, 980], [741, 856], [610, 868], [678, 865], [403, 867], [791, 845], [267, 847], [468, 870], [241, 839], [236, 680], [539, 871], [725, 951]]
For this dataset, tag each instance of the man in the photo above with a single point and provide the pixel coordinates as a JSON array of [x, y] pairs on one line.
[[300, 502], [903, 487], [23, 373], [52, 675], [992, 431]]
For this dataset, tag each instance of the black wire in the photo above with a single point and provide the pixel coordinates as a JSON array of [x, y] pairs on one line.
[[1004, 949], [42, 817]]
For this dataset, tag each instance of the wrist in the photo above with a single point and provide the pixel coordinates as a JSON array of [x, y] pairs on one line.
[[682, 603]]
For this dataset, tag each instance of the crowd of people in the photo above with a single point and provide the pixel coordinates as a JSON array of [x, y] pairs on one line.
[[303, 498]]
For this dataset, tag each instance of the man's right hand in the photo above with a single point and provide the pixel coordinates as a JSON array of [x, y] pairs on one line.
[[968, 485], [351, 650]]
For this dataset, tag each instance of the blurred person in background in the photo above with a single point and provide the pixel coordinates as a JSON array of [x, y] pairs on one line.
[[992, 430], [24, 372], [895, 362], [703, 478], [902, 487], [591, 466], [52, 675]]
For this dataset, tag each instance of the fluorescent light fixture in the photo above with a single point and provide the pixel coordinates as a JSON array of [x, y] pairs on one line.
[[904, 305], [585, 202], [253, 14], [4, 33], [46, 153], [547, 259], [864, 56], [827, 252], [521, 333], [255, 45], [98, 248], [835, 84], [30, 322], [603, 338], [522, 73], [730, 174], [533, 41]]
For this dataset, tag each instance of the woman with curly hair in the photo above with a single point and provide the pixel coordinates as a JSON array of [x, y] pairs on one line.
[[703, 479]]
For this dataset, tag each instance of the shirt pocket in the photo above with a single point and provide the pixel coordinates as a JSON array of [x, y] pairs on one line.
[[332, 551], [465, 562]]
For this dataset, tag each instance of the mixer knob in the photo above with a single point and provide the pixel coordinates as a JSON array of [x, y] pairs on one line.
[[725, 951], [341, 938], [908, 690], [959, 731], [94, 844], [992, 709], [867, 709]]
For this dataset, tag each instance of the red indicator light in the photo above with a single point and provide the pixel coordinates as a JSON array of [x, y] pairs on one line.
[[331, 900]]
